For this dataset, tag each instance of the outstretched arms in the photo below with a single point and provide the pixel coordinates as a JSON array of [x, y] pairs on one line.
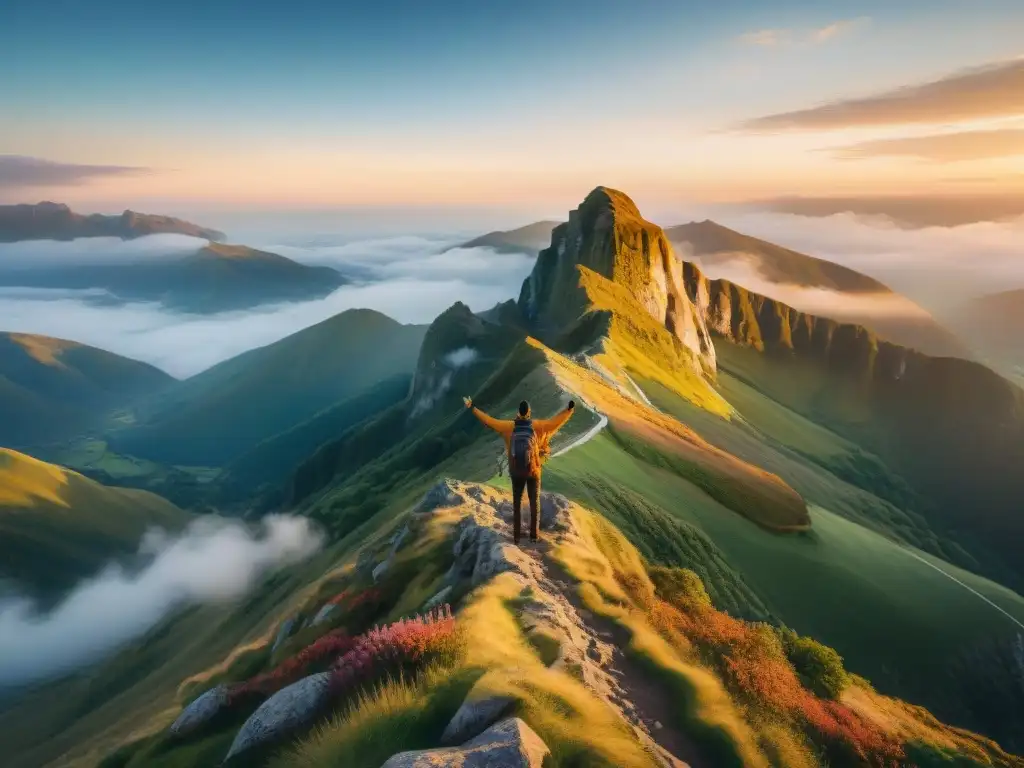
[[548, 427], [498, 425]]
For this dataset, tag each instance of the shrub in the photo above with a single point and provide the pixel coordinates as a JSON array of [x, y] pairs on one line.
[[395, 648], [681, 587], [819, 667]]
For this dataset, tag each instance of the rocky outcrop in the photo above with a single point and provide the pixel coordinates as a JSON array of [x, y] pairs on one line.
[[201, 711], [509, 744], [288, 710], [607, 235]]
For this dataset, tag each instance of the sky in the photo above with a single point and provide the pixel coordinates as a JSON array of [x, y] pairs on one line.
[[222, 107]]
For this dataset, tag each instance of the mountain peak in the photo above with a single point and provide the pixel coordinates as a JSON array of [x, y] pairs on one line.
[[608, 237], [619, 204]]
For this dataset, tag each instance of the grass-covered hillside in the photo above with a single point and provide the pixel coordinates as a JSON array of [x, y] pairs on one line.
[[52, 389], [216, 416], [57, 526], [526, 239]]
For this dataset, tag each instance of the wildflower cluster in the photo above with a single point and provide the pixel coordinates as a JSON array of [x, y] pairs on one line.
[[754, 665], [392, 648], [317, 654]]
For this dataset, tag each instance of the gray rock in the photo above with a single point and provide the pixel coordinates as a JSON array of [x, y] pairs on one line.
[[323, 614], [474, 717], [291, 708], [441, 495], [380, 570], [201, 711], [554, 510], [283, 633], [439, 599], [509, 744], [398, 540], [481, 552], [365, 563]]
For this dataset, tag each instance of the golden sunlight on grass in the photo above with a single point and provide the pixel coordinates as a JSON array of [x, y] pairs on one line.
[[43, 349], [24, 481]]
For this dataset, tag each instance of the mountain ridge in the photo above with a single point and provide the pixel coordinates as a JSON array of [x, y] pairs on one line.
[[56, 221]]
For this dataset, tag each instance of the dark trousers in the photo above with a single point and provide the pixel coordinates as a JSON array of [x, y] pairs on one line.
[[532, 487]]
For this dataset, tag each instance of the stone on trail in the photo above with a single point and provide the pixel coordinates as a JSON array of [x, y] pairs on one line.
[[323, 614], [441, 495], [201, 711], [283, 633], [509, 744], [291, 708]]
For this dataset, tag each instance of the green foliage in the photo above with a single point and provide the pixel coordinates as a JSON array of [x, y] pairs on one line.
[[680, 586], [820, 668], [666, 541]]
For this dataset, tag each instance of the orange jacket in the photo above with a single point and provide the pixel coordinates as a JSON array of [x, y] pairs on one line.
[[544, 429]]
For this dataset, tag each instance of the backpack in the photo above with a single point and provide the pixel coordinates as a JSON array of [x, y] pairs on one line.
[[523, 453]]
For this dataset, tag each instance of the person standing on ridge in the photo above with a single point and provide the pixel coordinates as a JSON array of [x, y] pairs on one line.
[[528, 442]]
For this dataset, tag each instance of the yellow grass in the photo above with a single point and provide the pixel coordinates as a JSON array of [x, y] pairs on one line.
[[24, 481], [43, 349], [563, 712]]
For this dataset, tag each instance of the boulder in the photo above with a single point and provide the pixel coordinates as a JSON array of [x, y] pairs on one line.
[[474, 716], [554, 512], [381, 569], [283, 633], [508, 744], [439, 599], [323, 614], [443, 494], [201, 711], [288, 710]]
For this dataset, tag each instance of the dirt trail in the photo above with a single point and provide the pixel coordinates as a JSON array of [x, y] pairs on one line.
[[641, 700]]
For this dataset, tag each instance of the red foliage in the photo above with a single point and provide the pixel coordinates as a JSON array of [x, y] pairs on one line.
[[756, 671], [291, 669]]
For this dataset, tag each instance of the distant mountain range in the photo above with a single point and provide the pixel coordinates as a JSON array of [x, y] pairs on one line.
[[56, 221], [215, 278], [528, 239]]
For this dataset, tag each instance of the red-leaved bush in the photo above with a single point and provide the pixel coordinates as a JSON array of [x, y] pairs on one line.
[[294, 668], [753, 664], [382, 650], [405, 643]]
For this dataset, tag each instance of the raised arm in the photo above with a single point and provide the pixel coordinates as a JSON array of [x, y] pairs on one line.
[[548, 427], [498, 425]]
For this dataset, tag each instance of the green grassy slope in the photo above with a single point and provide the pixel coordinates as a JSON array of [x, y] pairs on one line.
[[894, 619], [218, 415], [51, 389], [272, 461], [527, 239], [57, 526]]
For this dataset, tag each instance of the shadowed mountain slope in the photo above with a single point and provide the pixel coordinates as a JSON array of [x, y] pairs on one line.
[[55, 221]]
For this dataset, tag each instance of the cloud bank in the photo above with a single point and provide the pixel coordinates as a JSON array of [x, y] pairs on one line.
[[773, 38], [933, 266], [940, 148], [406, 278], [17, 171], [95, 251], [213, 560], [996, 90]]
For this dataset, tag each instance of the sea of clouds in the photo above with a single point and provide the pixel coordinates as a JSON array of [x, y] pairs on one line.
[[213, 560], [412, 279]]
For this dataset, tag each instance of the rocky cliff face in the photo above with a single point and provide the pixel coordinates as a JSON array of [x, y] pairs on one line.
[[607, 235]]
